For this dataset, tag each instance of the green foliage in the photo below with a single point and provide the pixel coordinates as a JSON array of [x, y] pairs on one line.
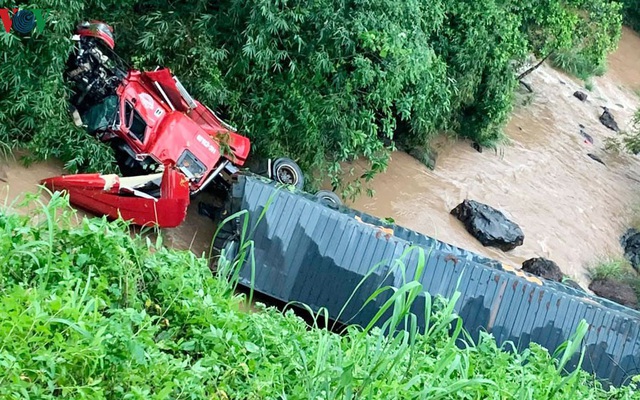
[[629, 140], [631, 13], [322, 82], [33, 108], [611, 268], [578, 33], [575, 64], [89, 312]]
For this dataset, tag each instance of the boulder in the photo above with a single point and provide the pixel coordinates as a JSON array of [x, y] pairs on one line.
[[544, 268], [582, 96], [490, 226], [617, 291], [607, 120], [631, 244]]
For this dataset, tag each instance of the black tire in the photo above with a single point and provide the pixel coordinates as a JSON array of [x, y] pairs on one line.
[[329, 198], [286, 171], [226, 234], [230, 250]]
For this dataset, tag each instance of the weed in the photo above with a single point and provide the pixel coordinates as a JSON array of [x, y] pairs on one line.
[[589, 85], [610, 268], [576, 64], [88, 311]]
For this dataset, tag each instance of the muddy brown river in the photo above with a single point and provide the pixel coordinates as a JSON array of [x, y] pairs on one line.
[[571, 208]]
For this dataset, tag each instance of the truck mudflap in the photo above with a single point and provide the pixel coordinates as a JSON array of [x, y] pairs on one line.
[[147, 200], [336, 257]]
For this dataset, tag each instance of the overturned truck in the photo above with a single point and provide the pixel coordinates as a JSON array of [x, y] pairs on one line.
[[318, 254]]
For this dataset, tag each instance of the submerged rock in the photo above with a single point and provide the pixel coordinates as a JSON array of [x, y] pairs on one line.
[[617, 291], [544, 268], [607, 120], [631, 244], [425, 155], [587, 138], [490, 226], [582, 96], [596, 158]]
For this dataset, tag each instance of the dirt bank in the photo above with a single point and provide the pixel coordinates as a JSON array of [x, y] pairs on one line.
[[571, 208]]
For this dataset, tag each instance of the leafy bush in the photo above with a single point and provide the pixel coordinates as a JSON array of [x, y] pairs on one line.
[[322, 82], [89, 312], [611, 268], [629, 140], [33, 108], [631, 13]]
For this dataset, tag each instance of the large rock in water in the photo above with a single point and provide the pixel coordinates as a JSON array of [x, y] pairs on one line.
[[631, 244], [617, 291], [582, 96], [607, 120], [490, 226], [544, 268]]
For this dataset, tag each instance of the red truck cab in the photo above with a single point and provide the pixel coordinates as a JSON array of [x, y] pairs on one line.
[[156, 120]]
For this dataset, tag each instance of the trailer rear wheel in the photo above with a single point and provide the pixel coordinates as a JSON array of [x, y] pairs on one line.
[[328, 198], [230, 250], [286, 171]]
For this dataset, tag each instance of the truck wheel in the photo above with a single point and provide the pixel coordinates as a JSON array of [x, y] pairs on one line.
[[230, 250], [328, 198], [286, 171], [227, 233]]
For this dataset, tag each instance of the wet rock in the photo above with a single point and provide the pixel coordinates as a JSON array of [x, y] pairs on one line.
[[572, 284], [490, 226], [425, 155], [477, 147], [596, 158], [617, 291], [607, 120], [631, 244], [582, 96], [544, 268], [587, 138]]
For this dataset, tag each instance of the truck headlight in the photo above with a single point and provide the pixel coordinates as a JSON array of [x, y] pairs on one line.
[[189, 164]]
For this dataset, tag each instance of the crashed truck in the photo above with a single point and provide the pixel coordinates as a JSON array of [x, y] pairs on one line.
[[169, 146], [310, 250], [330, 256]]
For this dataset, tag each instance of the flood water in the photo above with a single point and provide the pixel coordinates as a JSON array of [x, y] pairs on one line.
[[571, 208]]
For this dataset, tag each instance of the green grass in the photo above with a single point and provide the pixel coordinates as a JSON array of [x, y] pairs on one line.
[[617, 269], [88, 311], [589, 85], [576, 64], [610, 268]]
